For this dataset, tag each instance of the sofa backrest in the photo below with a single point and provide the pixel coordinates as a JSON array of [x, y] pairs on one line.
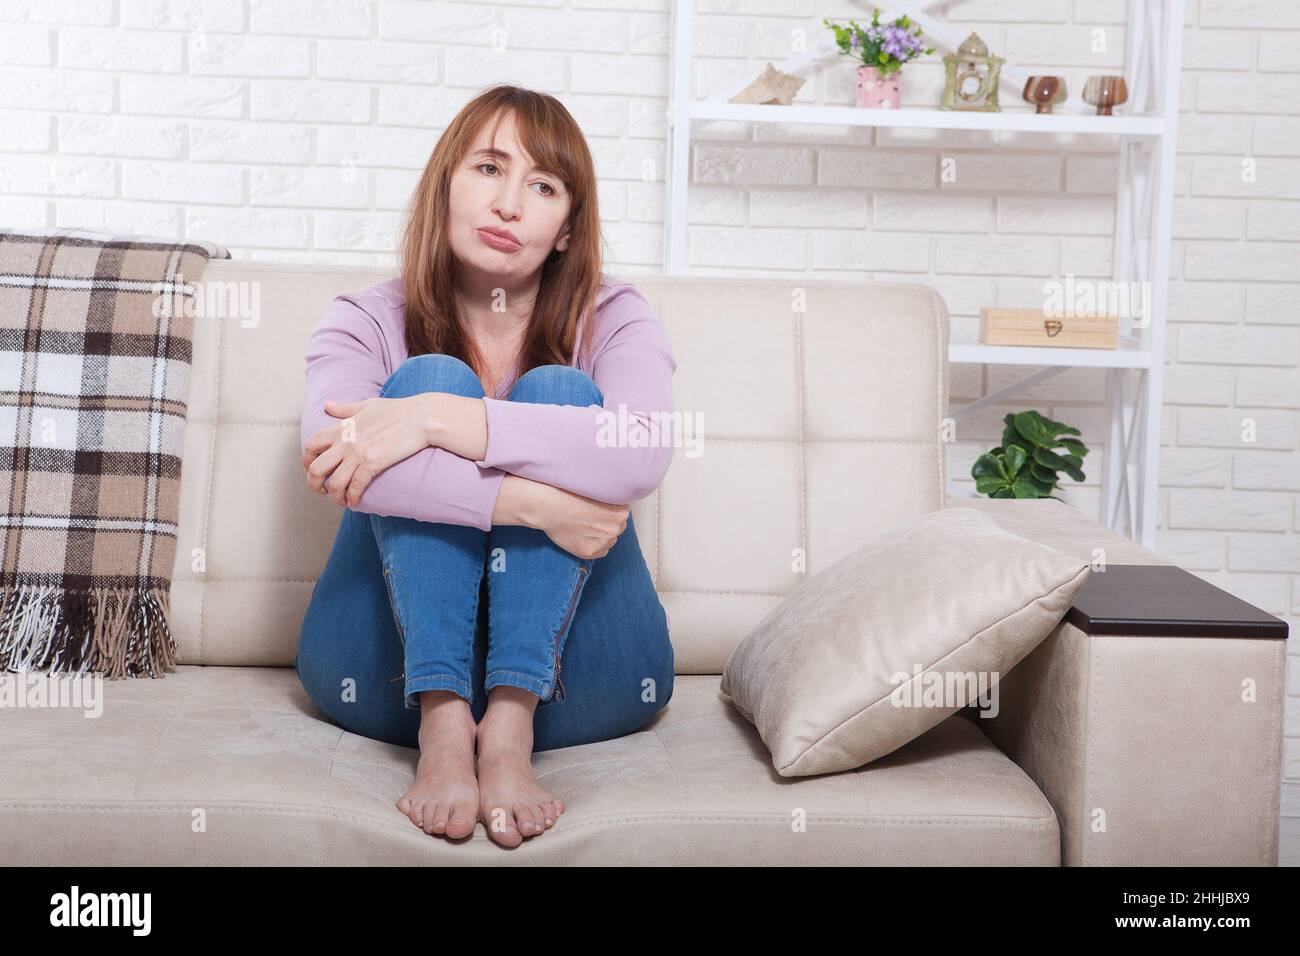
[[818, 404]]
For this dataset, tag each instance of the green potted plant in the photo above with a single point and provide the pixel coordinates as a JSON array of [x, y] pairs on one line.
[[1025, 465], [883, 48]]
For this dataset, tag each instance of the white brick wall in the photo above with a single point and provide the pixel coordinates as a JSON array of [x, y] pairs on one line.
[[294, 131]]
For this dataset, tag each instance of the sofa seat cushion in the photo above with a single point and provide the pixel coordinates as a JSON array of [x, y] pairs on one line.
[[234, 765]]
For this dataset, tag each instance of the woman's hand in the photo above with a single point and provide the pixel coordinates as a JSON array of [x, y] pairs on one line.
[[584, 527], [374, 434]]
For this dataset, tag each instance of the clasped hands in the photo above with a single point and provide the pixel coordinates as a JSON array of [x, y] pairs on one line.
[[376, 433]]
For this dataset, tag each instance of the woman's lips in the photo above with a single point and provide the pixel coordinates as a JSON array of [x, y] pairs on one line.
[[500, 243]]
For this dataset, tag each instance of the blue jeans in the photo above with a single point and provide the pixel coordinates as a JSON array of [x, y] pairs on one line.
[[405, 606]]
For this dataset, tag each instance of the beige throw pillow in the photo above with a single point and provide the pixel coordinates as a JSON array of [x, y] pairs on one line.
[[875, 650]]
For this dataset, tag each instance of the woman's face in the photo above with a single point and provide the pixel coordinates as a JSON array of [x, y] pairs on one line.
[[496, 187]]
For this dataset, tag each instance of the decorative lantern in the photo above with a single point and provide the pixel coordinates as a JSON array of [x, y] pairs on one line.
[[971, 77]]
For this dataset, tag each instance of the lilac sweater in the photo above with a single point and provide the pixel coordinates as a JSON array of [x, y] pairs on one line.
[[359, 342]]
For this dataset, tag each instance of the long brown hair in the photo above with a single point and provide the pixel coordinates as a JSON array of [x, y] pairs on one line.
[[570, 279]]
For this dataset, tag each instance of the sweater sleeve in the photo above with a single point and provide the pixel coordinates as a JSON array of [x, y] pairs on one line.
[[345, 364], [617, 453]]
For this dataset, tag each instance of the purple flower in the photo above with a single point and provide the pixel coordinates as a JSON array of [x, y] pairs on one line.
[[897, 44]]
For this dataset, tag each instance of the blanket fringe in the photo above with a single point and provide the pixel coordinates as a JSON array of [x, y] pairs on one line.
[[116, 632]]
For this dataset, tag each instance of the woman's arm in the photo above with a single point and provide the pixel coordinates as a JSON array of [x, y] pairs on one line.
[[587, 450], [344, 364], [581, 526], [520, 503]]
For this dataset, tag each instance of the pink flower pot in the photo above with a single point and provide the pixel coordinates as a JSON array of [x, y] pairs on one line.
[[875, 91]]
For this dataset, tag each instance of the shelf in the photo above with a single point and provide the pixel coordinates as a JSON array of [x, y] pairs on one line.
[[1142, 135], [1129, 354], [1018, 122]]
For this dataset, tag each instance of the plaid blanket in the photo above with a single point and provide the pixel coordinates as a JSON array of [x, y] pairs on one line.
[[95, 350]]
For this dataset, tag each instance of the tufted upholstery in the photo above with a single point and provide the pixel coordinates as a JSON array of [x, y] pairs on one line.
[[820, 430], [818, 403]]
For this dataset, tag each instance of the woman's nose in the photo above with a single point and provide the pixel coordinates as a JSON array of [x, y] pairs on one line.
[[507, 201]]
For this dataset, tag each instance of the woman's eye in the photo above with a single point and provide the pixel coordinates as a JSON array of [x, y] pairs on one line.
[[552, 191]]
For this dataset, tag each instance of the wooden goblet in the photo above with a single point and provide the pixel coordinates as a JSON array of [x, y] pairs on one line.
[[1044, 92], [1105, 92]]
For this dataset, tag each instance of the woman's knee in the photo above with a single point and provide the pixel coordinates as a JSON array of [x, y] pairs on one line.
[[433, 372], [556, 385], [356, 703]]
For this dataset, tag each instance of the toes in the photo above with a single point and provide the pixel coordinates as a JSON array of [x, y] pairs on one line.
[[552, 808], [439, 815], [412, 808], [501, 827], [462, 821], [427, 808], [524, 819]]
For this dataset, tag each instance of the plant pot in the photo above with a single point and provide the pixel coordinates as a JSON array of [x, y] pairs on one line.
[[875, 91]]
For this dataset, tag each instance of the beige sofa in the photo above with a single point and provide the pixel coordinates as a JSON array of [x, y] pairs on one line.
[[821, 404]]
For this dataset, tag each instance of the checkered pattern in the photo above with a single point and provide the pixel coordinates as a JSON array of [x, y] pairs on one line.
[[95, 350]]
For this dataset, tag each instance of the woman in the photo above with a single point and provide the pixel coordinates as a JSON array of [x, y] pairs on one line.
[[485, 421]]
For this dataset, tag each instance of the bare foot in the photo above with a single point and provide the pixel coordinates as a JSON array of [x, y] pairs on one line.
[[511, 803], [444, 798]]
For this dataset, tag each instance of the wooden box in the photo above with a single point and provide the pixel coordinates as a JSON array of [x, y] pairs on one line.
[[999, 326]]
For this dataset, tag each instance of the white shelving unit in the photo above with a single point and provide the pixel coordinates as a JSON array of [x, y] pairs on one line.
[[1146, 133]]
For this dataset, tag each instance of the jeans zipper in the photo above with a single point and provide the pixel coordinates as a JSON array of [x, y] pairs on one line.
[[397, 621], [573, 601]]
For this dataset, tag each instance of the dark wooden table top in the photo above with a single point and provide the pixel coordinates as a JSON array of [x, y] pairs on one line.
[[1165, 601]]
